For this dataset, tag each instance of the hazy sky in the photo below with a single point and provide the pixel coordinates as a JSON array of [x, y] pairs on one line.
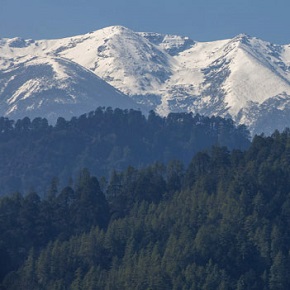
[[202, 20]]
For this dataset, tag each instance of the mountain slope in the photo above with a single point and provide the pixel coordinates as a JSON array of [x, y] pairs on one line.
[[237, 75], [51, 87], [244, 78]]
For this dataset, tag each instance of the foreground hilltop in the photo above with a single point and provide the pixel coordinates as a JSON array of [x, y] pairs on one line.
[[244, 78]]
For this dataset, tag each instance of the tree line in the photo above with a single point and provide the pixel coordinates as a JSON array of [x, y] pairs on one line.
[[33, 151]]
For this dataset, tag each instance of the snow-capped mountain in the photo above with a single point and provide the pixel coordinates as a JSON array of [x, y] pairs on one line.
[[50, 86], [244, 78]]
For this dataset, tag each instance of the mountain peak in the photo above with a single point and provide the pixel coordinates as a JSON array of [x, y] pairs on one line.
[[241, 41], [18, 42], [242, 36], [116, 29]]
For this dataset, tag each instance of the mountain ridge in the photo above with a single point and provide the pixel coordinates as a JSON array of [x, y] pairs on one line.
[[171, 73]]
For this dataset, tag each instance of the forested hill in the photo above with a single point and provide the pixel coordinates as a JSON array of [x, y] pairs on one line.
[[33, 152], [222, 222]]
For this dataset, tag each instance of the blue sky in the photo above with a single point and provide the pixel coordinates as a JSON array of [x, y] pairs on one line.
[[202, 20]]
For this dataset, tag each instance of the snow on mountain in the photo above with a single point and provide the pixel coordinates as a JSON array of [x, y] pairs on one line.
[[245, 78], [51, 87]]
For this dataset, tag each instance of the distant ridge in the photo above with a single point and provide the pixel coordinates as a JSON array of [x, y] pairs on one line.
[[244, 78]]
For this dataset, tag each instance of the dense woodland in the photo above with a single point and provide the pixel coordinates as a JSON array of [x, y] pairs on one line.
[[33, 152], [220, 222]]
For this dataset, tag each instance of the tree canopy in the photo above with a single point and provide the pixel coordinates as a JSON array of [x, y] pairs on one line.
[[220, 222], [34, 152]]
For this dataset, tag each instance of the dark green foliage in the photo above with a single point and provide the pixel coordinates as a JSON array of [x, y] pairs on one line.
[[90, 207], [33, 152], [31, 223], [222, 223]]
